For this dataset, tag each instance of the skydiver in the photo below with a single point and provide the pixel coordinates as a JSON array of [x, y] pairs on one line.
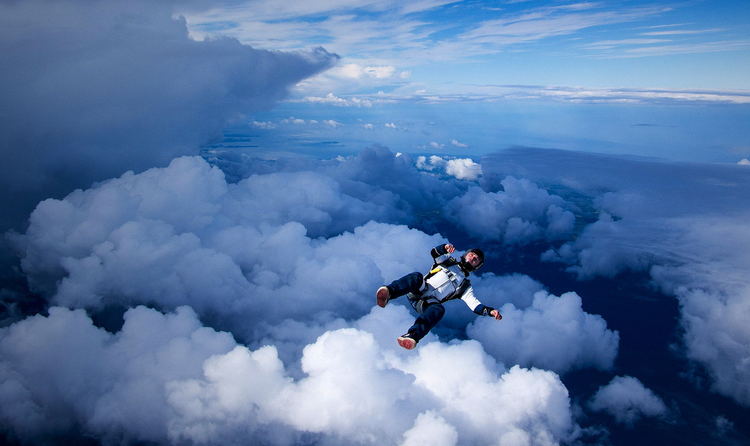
[[447, 280]]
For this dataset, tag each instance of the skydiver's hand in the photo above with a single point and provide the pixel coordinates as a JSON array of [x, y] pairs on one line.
[[450, 248], [496, 314]]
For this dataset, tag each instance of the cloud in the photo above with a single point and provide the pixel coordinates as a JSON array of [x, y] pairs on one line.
[[432, 428], [604, 248], [268, 125], [570, 94], [681, 32], [517, 289], [713, 292], [434, 162], [297, 121], [164, 378], [352, 77], [212, 248], [357, 71], [384, 34], [461, 168], [272, 276], [692, 48], [459, 144], [119, 86], [519, 214], [63, 372], [270, 10], [331, 99], [544, 22], [553, 333], [626, 399], [681, 223]]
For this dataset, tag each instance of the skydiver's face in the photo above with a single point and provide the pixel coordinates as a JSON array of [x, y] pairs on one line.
[[472, 259]]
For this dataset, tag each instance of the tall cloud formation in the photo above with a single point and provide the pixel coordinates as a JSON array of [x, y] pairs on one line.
[[286, 260], [685, 224], [89, 90]]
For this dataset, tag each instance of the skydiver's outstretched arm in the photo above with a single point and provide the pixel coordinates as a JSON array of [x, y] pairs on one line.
[[478, 307], [441, 253]]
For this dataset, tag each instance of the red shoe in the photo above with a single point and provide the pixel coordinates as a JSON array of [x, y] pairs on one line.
[[407, 342], [382, 296]]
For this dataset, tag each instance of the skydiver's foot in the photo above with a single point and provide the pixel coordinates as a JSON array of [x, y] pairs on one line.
[[407, 341], [382, 296]]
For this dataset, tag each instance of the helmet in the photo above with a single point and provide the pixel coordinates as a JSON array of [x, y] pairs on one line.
[[466, 265]]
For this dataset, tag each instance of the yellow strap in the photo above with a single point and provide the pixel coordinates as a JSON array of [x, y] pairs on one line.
[[436, 270]]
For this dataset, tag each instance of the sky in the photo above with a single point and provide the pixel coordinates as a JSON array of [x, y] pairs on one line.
[[444, 47], [201, 199], [622, 77]]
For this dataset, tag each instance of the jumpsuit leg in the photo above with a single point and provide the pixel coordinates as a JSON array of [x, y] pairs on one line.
[[409, 283], [430, 316], [428, 319]]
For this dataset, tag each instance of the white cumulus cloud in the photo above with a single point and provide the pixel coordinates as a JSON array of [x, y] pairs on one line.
[[332, 99], [164, 378], [628, 400], [461, 168], [553, 333], [285, 261], [684, 224], [520, 213], [266, 125]]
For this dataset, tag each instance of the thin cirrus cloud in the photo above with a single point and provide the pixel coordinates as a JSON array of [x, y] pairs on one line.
[[379, 37], [547, 22], [689, 48], [349, 33], [682, 32]]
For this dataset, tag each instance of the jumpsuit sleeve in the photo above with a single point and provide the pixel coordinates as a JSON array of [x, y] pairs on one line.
[[477, 307], [439, 254]]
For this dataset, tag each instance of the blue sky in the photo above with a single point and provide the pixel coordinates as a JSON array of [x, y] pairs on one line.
[[643, 78], [449, 46]]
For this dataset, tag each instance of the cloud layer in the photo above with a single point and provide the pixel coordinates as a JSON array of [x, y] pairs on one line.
[[165, 378], [682, 223], [286, 260]]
